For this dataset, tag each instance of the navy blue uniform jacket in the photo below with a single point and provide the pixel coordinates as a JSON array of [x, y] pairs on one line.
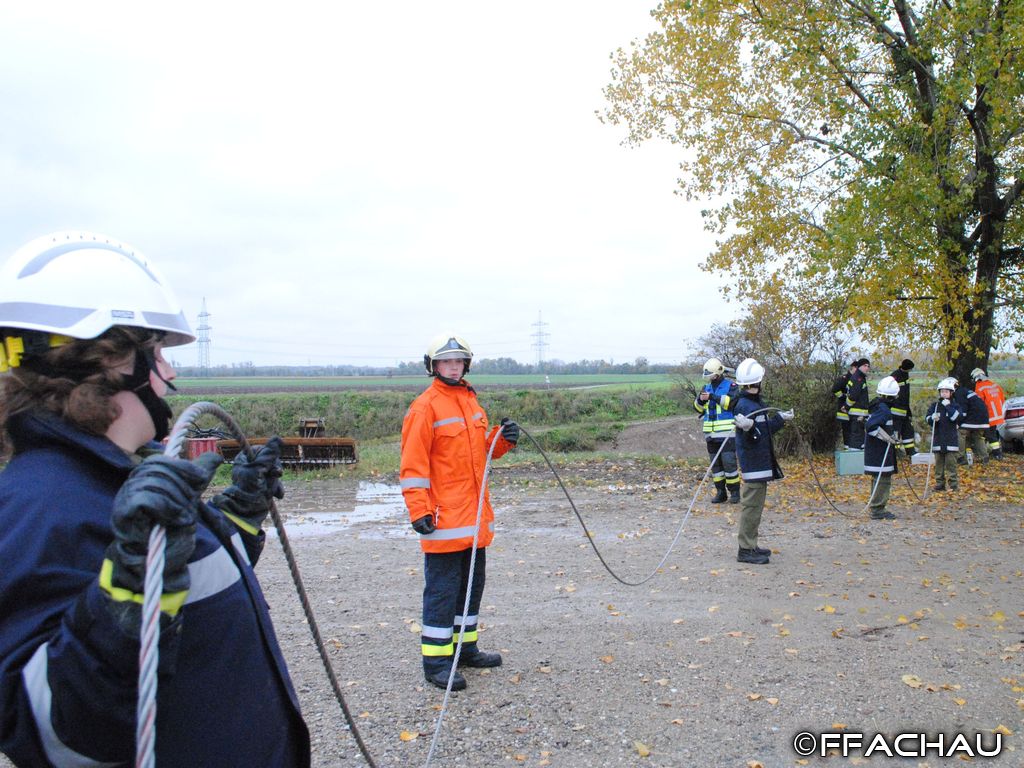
[[879, 456], [68, 672], [944, 420], [754, 449]]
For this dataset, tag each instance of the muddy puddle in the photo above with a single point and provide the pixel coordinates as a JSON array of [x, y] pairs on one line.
[[377, 509]]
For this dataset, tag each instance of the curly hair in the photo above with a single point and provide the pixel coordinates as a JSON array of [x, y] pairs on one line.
[[76, 381]]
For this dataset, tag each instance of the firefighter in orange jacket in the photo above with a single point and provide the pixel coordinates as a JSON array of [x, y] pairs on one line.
[[994, 398], [445, 440]]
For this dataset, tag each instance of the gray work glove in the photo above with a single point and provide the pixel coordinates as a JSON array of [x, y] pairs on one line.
[[254, 483], [883, 435], [743, 422], [945, 402], [787, 415], [160, 491], [510, 430], [424, 525]]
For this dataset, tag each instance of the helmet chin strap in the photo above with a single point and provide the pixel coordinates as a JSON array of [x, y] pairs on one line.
[[138, 382]]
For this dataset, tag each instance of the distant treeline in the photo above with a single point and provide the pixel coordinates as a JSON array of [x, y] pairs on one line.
[[501, 365]]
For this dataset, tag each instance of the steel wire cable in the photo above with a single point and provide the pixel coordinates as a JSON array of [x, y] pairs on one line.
[[149, 649]]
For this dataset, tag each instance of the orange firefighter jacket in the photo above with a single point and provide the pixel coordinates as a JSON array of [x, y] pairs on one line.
[[994, 398], [444, 449]]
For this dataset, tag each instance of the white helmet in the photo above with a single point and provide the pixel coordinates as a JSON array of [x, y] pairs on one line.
[[749, 372], [948, 383], [978, 374], [447, 346], [888, 387], [79, 284], [713, 367]]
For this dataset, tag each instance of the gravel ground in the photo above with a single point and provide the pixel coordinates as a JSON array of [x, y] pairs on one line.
[[856, 626]]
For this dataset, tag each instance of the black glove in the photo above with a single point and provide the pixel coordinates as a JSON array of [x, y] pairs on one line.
[[510, 430], [165, 491], [254, 483], [424, 524]]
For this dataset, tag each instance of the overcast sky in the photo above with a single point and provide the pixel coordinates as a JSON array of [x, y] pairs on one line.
[[344, 180]]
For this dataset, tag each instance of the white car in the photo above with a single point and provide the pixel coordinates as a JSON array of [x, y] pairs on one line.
[[1011, 431]]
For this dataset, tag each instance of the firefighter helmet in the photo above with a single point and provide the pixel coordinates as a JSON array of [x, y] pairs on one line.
[[948, 383], [447, 346], [79, 284], [713, 367], [888, 387], [978, 374], [749, 372]]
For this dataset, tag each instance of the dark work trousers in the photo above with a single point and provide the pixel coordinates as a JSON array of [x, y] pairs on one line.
[[724, 467], [445, 577], [857, 432]]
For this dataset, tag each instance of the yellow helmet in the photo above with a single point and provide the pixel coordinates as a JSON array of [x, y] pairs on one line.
[[447, 346], [713, 367]]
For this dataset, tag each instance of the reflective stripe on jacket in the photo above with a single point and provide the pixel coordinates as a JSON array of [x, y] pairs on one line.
[[718, 421], [902, 405], [879, 456], [994, 398], [944, 420], [857, 395], [754, 448], [444, 449], [68, 671]]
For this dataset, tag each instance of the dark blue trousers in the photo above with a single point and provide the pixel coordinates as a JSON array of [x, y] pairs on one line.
[[446, 577]]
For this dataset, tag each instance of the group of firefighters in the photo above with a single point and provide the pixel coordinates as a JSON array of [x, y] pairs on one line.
[[980, 410], [740, 447]]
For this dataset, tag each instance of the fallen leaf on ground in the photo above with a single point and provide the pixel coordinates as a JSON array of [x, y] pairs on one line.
[[641, 749], [912, 680], [408, 735]]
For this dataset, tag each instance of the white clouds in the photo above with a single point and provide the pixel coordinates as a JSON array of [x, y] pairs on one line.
[[342, 180]]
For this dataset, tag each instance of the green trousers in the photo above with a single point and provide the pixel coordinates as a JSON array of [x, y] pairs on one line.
[[945, 464], [751, 506], [975, 440], [880, 492]]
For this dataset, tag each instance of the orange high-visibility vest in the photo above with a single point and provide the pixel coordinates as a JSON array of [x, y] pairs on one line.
[[994, 398]]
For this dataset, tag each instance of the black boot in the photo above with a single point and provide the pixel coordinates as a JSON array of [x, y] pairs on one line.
[[763, 551], [734, 493], [751, 556], [440, 678], [471, 656], [721, 495], [997, 454]]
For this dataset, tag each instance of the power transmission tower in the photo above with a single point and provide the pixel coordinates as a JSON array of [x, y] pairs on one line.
[[540, 342], [203, 329]]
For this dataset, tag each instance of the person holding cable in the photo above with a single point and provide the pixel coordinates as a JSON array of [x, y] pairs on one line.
[[756, 422], [944, 415], [84, 320], [880, 447], [713, 403], [445, 445]]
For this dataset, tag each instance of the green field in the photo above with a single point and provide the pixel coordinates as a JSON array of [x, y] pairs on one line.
[[193, 386]]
